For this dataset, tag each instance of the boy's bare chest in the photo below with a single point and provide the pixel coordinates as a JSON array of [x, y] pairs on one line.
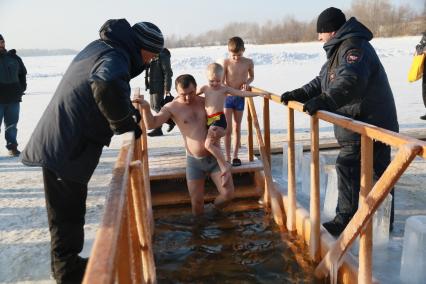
[[238, 70]]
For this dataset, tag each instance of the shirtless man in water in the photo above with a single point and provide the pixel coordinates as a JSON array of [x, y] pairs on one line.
[[187, 111]]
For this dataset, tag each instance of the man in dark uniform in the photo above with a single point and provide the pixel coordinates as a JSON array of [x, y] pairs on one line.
[[158, 79], [351, 83], [13, 84], [91, 103]]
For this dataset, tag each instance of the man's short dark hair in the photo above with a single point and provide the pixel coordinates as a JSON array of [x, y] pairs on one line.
[[236, 44], [185, 81]]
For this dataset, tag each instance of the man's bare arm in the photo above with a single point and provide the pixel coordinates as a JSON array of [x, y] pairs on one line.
[[153, 121], [250, 73], [239, 93]]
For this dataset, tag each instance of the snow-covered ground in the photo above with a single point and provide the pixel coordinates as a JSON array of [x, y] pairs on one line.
[[24, 237]]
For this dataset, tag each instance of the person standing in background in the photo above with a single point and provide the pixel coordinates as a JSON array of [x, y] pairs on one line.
[[90, 105], [239, 74], [13, 83], [421, 48], [158, 79]]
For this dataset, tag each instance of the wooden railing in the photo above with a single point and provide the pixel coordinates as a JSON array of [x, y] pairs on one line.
[[122, 251], [370, 196]]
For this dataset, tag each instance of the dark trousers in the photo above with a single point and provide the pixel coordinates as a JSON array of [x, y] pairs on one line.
[[348, 168], [156, 101], [10, 114], [66, 208]]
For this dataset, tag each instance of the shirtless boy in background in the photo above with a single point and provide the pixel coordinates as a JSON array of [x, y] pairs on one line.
[[215, 94], [239, 73]]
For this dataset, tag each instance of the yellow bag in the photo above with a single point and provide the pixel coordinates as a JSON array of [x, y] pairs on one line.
[[416, 69]]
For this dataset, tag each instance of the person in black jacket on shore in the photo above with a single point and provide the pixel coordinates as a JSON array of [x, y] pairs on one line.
[[158, 80], [13, 83], [351, 83], [91, 103]]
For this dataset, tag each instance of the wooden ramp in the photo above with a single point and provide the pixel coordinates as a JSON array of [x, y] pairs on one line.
[[167, 170]]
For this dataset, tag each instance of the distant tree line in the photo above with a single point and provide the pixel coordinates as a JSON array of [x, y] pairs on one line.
[[46, 52], [380, 16]]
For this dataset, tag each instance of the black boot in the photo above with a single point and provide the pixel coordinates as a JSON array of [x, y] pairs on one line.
[[335, 227], [13, 150], [171, 124], [156, 132], [423, 117]]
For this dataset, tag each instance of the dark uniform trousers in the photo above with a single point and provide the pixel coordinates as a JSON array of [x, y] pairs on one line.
[[66, 208], [156, 101], [348, 168]]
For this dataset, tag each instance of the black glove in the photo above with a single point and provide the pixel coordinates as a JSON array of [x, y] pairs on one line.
[[137, 115], [298, 95], [130, 126], [315, 104], [138, 131]]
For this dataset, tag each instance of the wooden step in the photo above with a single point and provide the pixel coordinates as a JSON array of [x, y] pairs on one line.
[[238, 205], [174, 192], [171, 164]]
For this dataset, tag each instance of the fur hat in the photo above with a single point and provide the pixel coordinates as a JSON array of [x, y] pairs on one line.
[[148, 37], [330, 20]]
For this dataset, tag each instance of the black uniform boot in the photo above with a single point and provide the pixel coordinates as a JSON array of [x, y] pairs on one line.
[[156, 132]]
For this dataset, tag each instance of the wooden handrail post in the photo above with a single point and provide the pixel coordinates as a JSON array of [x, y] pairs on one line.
[[250, 135], [123, 261], [134, 236], [314, 206], [276, 199], [291, 190], [143, 225], [267, 128], [142, 154], [373, 200], [365, 273]]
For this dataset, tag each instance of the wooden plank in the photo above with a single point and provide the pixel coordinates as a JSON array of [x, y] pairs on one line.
[[182, 196], [102, 263], [365, 273], [173, 165]]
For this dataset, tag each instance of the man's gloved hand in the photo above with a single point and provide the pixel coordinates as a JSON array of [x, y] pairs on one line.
[[138, 131], [137, 115], [298, 95], [315, 104], [130, 126]]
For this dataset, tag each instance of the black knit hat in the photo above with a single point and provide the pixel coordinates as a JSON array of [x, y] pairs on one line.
[[330, 20], [148, 37], [1, 37]]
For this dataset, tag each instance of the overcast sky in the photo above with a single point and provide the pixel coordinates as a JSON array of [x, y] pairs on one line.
[[51, 24]]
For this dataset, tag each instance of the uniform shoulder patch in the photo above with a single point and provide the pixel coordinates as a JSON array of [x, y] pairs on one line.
[[353, 56]]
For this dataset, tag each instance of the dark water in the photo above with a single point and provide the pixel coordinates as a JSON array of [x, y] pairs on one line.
[[230, 247]]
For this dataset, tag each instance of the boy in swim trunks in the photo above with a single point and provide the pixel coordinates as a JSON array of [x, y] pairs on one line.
[[239, 73], [215, 94]]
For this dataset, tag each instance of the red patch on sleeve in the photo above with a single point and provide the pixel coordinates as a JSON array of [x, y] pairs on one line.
[[352, 57]]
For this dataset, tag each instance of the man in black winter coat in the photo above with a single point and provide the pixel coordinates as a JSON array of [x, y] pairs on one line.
[[13, 83], [158, 79], [351, 83], [91, 103]]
